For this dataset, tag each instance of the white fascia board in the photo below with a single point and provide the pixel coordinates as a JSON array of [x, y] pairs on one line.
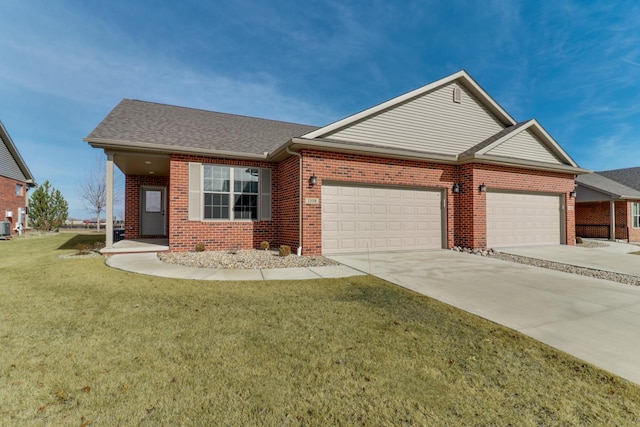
[[460, 75], [509, 161], [110, 144], [553, 143], [298, 143]]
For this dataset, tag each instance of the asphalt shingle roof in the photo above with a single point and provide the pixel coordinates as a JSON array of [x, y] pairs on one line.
[[167, 125], [629, 176], [600, 182]]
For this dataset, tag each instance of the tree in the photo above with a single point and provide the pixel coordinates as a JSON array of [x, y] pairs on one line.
[[48, 210], [93, 190]]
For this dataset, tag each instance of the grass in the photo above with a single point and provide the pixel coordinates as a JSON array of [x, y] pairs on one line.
[[83, 344]]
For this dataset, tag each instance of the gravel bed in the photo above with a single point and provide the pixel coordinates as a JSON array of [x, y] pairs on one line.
[[567, 268], [243, 259]]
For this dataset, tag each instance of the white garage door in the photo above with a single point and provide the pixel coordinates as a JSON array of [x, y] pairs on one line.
[[515, 219], [360, 219]]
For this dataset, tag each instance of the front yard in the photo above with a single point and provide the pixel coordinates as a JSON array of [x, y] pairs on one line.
[[82, 344]]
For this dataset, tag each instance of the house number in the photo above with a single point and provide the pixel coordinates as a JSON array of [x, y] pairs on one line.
[[312, 201]]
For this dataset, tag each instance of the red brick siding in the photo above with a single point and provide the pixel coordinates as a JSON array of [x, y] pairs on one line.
[[133, 183], [184, 235], [286, 202], [512, 179], [366, 170], [598, 213], [10, 201]]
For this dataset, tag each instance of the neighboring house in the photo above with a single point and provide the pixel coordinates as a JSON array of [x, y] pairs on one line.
[[440, 166], [15, 182], [608, 204]]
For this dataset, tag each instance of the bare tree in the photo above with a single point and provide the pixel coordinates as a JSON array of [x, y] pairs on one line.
[[93, 190]]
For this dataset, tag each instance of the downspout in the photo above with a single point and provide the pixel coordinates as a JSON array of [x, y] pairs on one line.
[[293, 153]]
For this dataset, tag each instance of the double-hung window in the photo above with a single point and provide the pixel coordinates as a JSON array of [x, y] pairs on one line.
[[635, 214], [218, 192]]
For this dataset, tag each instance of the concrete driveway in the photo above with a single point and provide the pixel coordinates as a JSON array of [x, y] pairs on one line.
[[595, 320]]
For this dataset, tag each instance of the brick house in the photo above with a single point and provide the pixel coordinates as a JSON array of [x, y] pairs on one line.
[[440, 166], [15, 182], [608, 205]]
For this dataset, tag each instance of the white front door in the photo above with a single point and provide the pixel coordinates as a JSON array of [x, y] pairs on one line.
[[152, 211]]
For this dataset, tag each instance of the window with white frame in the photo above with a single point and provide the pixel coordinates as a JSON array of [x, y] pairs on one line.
[[18, 189], [635, 214], [218, 192]]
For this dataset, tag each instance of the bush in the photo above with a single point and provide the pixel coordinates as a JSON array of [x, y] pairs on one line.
[[83, 249], [284, 250], [578, 240], [200, 247], [264, 246]]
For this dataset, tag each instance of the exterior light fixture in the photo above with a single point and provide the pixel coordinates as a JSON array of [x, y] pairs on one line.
[[456, 188], [313, 180], [483, 188], [573, 194]]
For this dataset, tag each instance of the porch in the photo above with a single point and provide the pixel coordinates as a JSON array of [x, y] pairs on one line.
[[137, 246]]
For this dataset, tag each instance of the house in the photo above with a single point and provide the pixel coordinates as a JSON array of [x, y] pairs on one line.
[[440, 166], [15, 182], [608, 204]]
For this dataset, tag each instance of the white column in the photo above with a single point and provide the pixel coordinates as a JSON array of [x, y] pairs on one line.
[[109, 213], [612, 230]]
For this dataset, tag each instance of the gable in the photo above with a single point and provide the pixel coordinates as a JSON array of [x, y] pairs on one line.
[[526, 146], [8, 164], [431, 122]]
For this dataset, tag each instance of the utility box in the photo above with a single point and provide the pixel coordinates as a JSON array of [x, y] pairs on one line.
[[5, 228]]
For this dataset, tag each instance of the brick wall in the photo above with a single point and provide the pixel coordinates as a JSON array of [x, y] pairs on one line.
[[133, 183], [286, 202], [184, 235], [473, 223], [11, 201], [599, 213]]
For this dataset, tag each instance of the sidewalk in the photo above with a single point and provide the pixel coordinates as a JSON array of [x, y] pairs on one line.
[[148, 263]]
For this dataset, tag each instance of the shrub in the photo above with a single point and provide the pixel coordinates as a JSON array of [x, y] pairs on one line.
[[98, 245], [578, 240], [284, 250], [264, 246], [200, 247], [83, 249]]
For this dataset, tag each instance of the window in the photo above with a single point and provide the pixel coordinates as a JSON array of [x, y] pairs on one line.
[[229, 193], [635, 214], [18, 189]]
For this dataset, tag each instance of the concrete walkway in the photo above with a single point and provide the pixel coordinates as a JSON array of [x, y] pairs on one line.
[[615, 257], [595, 320], [148, 263]]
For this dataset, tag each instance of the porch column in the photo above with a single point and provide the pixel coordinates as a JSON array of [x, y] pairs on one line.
[[109, 212], [612, 226]]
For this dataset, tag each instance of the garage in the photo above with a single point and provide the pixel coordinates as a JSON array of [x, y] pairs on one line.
[[364, 218], [523, 219]]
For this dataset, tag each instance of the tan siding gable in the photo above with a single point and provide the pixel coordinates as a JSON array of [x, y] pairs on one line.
[[524, 145], [431, 123]]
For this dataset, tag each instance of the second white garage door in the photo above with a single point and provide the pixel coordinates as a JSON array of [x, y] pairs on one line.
[[360, 219], [516, 219]]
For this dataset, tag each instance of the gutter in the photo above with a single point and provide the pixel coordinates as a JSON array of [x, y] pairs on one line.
[[288, 150]]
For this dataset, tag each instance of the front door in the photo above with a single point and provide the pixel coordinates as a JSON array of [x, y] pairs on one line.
[[153, 206]]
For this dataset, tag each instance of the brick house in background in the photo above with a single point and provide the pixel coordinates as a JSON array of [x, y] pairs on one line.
[[15, 182], [608, 205], [440, 166]]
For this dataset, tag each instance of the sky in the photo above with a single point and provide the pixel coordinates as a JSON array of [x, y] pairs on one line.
[[573, 65]]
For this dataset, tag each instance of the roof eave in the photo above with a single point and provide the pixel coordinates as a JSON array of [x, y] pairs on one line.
[[16, 155], [110, 144], [521, 163], [297, 144], [614, 196]]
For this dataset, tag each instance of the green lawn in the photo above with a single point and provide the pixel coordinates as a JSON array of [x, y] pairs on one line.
[[83, 344]]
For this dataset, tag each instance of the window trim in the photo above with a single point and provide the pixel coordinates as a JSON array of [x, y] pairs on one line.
[[196, 205], [635, 214], [19, 190]]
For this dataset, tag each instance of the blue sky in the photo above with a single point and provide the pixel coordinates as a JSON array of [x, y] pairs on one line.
[[573, 65]]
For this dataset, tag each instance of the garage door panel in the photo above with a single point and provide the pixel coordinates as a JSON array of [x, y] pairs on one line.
[[516, 219], [379, 219]]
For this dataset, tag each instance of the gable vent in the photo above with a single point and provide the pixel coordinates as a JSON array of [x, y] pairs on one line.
[[457, 95]]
